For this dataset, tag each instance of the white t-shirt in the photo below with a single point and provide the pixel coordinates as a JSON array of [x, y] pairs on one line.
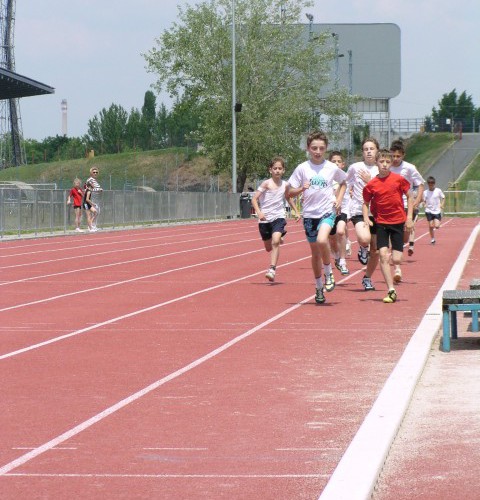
[[319, 198], [355, 181], [410, 172], [272, 200], [432, 199]]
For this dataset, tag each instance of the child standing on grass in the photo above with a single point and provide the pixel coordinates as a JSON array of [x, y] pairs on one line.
[[383, 195], [315, 179], [271, 212], [434, 200], [76, 195]]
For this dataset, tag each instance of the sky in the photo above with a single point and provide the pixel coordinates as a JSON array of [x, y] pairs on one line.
[[90, 51]]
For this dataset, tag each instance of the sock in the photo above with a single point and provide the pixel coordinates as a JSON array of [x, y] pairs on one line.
[[319, 282], [343, 262], [327, 268]]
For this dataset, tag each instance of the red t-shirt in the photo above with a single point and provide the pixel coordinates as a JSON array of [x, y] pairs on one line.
[[77, 195], [385, 195]]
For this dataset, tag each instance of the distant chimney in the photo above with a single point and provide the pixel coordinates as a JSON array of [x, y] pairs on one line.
[[64, 117]]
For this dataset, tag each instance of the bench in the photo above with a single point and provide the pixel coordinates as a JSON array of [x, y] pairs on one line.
[[458, 300]]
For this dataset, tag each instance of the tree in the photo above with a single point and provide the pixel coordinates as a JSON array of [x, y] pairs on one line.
[[107, 132], [148, 120], [454, 109], [279, 76]]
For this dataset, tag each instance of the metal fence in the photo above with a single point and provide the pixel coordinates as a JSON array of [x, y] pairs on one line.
[[43, 210]]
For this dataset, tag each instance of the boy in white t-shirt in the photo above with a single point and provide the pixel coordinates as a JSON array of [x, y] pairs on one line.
[[315, 179], [434, 200], [271, 212]]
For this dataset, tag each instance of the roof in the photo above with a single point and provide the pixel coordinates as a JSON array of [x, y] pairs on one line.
[[13, 86]]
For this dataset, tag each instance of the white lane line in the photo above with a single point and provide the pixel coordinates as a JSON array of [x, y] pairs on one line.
[[130, 315], [118, 283], [83, 247], [117, 251], [177, 449], [124, 262], [143, 392]]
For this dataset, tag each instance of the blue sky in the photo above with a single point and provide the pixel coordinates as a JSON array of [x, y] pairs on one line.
[[90, 52]]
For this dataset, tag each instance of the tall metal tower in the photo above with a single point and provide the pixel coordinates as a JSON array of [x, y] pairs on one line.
[[64, 107], [12, 152]]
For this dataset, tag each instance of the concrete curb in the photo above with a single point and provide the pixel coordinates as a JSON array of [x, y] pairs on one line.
[[357, 472]]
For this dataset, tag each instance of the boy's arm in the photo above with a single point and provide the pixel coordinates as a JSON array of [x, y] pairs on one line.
[[340, 194], [293, 192], [410, 203], [292, 204], [366, 218], [255, 205]]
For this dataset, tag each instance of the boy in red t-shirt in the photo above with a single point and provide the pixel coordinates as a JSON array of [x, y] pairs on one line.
[[383, 195]]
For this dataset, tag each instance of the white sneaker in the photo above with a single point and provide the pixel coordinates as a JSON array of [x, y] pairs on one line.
[[270, 275], [79, 230], [93, 229], [348, 248]]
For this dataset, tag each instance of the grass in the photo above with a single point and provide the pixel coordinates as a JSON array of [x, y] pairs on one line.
[[178, 168]]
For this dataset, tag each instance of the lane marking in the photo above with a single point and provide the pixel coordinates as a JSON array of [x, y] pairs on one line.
[[178, 476]]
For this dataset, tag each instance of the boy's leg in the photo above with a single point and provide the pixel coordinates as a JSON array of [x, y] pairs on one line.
[[385, 267], [362, 231]]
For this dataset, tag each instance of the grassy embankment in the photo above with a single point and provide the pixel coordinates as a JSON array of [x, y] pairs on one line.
[[173, 169]]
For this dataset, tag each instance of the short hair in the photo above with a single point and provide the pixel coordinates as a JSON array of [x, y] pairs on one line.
[[383, 153], [371, 139], [317, 136], [430, 178], [335, 153], [274, 160], [398, 146], [93, 168]]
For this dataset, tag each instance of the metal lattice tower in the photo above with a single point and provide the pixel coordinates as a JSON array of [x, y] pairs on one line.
[[12, 152]]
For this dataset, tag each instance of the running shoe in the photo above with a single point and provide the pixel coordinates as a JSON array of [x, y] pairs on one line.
[[363, 255], [319, 296], [397, 277], [367, 284], [410, 251], [348, 248], [338, 265], [391, 297], [343, 270], [329, 282], [270, 275], [433, 241], [79, 230]]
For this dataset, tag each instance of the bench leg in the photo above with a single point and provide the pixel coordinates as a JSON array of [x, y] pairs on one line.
[[446, 331], [453, 316], [474, 321]]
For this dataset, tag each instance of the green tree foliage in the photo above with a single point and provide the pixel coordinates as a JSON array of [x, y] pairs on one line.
[[279, 76], [107, 131], [54, 149], [459, 108]]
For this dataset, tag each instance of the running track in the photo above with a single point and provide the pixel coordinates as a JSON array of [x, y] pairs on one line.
[[158, 363]]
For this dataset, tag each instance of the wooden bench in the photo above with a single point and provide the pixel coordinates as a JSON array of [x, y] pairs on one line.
[[458, 300]]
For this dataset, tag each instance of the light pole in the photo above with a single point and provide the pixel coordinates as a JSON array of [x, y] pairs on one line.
[[234, 100]]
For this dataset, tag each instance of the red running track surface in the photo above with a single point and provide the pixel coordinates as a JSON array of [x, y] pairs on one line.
[[160, 363]]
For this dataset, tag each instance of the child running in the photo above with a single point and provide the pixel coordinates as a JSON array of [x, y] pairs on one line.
[[357, 177], [383, 195], [338, 234], [271, 212], [434, 200], [315, 179]]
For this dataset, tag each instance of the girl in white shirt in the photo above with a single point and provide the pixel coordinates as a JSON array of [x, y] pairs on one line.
[[434, 200]]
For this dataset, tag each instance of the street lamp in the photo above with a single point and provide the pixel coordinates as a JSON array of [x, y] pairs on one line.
[[234, 100]]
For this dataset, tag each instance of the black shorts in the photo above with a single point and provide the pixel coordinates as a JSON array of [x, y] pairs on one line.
[[431, 217], [359, 218], [390, 235], [338, 218], [267, 229]]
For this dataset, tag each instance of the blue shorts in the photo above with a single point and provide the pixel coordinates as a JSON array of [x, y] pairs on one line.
[[313, 225]]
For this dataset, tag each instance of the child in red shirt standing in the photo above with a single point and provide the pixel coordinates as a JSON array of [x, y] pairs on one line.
[[384, 196], [76, 195]]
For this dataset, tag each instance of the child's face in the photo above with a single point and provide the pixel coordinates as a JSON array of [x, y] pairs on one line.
[[384, 163], [397, 158], [431, 185], [77, 184], [338, 160], [316, 150], [369, 151], [277, 170]]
